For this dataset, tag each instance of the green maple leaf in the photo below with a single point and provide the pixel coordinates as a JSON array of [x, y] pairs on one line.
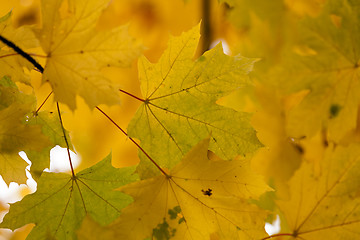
[[325, 205], [61, 201], [76, 52], [199, 198], [180, 107], [327, 66]]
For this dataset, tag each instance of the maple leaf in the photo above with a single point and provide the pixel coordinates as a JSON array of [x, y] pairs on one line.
[[50, 127], [241, 11], [179, 106], [90, 230], [325, 205], [266, 34], [15, 134], [11, 63], [61, 201], [76, 52], [199, 198], [14, 137], [281, 157], [10, 94], [326, 64], [12, 168]]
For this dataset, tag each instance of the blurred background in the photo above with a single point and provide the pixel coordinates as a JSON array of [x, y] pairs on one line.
[[254, 28]]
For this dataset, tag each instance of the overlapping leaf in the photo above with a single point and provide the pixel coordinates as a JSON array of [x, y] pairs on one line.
[[241, 11], [326, 64], [179, 106], [61, 201], [76, 52], [266, 34], [50, 127], [198, 199], [326, 205], [90, 230], [15, 134], [11, 63], [281, 157]]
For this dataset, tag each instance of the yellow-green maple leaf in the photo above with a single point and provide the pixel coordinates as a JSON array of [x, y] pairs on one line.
[[241, 11], [180, 107], [266, 34], [15, 133], [76, 52], [325, 205], [10, 94], [61, 201], [15, 136], [50, 127], [12, 168], [326, 64], [11, 63], [199, 198]]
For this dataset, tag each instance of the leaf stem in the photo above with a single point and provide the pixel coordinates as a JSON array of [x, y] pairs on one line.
[[22, 53], [131, 95], [66, 141], [37, 110], [141, 149]]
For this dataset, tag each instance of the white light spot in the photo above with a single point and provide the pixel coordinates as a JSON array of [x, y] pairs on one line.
[[5, 234], [224, 44], [59, 160], [9, 194], [30, 182], [273, 228]]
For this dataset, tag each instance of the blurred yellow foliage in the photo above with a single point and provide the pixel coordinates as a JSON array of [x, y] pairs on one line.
[[302, 98]]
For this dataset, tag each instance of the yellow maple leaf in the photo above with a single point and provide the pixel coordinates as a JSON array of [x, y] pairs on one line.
[[90, 230], [12, 168], [11, 63], [199, 198], [325, 206], [325, 62], [153, 20], [76, 52], [281, 156]]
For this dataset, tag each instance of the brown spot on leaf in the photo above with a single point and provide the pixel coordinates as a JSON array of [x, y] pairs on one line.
[[207, 192]]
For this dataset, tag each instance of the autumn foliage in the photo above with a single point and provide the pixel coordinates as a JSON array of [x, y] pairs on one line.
[[177, 139]]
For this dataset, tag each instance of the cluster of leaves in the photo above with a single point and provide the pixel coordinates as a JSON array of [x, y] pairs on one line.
[[223, 147]]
